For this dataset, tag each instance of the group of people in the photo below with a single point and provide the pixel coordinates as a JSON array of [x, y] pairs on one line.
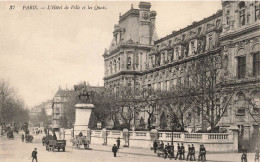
[[169, 151], [27, 138], [116, 147], [38, 132], [244, 155]]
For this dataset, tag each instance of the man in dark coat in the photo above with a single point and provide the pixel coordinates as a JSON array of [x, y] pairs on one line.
[[189, 153], [54, 136], [43, 140], [244, 154], [22, 137], [155, 145], [80, 134], [114, 150], [182, 152], [202, 153], [34, 155], [192, 154], [167, 151], [178, 152], [118, 142]]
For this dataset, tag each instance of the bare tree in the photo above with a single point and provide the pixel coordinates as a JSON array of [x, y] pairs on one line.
[[12, 109], [207, 91]]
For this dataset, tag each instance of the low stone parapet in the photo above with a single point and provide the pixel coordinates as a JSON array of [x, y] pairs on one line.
[[214, 142]]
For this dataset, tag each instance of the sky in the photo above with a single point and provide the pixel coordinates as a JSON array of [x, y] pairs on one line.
[[42, 50]]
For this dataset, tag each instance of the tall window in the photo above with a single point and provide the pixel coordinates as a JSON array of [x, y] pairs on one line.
[[137, 60], [257, 12], [198, 111], [167, 85], [162, 86], [115, 67], [256, 64], [242, 15], [241, 67], [110, 67], [159, 86]]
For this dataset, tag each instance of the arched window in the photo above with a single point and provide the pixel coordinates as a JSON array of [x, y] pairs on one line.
[[241, 64], [242, 16]]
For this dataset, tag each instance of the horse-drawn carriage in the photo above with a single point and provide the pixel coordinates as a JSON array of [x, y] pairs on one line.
[[10, 135], [80, 140], [52, 144], [28, 138]]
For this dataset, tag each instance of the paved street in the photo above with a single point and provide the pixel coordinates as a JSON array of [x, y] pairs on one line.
[[16, 151]]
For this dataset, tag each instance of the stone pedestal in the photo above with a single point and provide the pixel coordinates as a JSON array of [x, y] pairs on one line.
[[83, 112], [234, 130]]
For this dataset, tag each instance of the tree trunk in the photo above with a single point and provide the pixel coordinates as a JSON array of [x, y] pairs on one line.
[[149, 121]]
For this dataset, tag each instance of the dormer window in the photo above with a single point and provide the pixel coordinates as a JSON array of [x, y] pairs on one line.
[[199, 30], [242, 17], [170, 42], [228, 12], [183, 37]]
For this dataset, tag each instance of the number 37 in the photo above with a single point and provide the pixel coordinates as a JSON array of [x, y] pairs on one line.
[[12, 7]]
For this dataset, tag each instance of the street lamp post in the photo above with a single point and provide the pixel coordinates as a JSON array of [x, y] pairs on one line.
[[172, 136]]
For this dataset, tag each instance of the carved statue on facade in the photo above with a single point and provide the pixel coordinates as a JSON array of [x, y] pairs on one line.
[[211, 42], [158, 61], [129, 63], [201, 45], [193, 48]]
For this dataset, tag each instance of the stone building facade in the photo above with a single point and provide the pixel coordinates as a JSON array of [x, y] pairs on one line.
[[138, 58]]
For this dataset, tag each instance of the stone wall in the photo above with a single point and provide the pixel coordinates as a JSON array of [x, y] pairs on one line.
[[214, 142]]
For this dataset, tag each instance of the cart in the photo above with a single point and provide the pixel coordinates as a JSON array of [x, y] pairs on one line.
[[81, 140], [28, 138], [55, 144], [10, 135]]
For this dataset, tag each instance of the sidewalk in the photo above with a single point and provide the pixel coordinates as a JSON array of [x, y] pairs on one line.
[[213, 157]]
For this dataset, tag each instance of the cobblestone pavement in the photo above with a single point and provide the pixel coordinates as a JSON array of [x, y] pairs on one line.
[[16, 151]]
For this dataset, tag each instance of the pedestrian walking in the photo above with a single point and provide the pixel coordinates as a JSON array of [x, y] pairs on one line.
[[256, 155], [118, 142], [34, 155], [178, 152], [244, 154], [114, 150], [155, 145], [22, 137], [43, 140], [167, 151], [192, 154], [189, 153], [182, 152], [202, 153], [162, 145]]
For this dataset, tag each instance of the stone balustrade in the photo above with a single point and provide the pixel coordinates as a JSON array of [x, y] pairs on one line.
[[217, 142]]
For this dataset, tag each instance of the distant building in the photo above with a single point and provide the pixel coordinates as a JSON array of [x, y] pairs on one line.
[[44, 106], [62, 97]]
